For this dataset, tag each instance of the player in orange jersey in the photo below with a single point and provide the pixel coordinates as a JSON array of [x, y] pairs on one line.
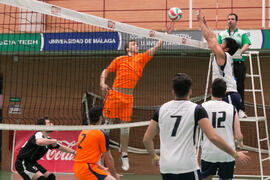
[[119, 100], [91, 145]]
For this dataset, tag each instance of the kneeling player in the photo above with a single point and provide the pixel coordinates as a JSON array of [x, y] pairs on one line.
[[34, 149]]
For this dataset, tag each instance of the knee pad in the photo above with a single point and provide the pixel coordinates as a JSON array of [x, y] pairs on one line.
[[124, 131], [41, 178], [51, 177]]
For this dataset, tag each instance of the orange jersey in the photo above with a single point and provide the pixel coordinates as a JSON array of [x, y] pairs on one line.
[[87, 171], [91, 143], [128, 69]]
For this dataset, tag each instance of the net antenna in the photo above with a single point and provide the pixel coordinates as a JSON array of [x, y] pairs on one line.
[[69, 14]]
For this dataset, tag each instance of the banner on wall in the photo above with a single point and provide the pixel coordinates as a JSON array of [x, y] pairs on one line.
[[266, 38], [20, 42], [81, 41], [53, 160], [87, 41]]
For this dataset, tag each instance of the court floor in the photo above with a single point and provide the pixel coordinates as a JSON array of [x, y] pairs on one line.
[[5, 175]]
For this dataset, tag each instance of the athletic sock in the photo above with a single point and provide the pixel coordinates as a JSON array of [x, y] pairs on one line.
[[124, 154]]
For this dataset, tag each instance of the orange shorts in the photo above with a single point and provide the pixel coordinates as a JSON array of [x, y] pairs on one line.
[[87, 171], [118, 105]]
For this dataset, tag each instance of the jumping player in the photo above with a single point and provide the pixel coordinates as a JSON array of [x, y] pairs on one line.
[[119, 100], [223, 64]]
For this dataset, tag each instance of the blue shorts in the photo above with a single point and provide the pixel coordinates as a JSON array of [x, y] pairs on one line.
[[194, 175], [225, 169], [233, 98]]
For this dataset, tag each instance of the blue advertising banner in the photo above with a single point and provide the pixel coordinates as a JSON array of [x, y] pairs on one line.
[[81, 41]]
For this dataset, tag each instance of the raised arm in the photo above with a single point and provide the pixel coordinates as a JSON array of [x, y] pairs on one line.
[[211, 39], [159, 43], [104, 87]]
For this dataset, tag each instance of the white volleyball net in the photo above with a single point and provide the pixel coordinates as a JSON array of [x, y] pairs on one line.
[[52, 58]]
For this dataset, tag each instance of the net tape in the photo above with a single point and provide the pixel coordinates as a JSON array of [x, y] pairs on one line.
[[57, 11], [69, 127]]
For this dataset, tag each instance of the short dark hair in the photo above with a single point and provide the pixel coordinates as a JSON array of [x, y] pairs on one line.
[[219, 88], [94, 114], [233, 14], [127, 44], [41, 121], [181, 84], [232, 45]]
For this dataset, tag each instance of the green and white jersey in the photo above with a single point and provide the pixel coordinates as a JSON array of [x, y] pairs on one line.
[[238, 35]]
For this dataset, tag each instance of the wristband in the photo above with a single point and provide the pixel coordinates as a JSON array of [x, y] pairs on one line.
[[235, 154], [156, 158]]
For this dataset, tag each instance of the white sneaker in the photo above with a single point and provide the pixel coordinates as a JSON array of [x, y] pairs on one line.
[[242, 114], [125, 163]]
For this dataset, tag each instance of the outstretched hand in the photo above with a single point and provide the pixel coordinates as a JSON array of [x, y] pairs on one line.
[[200, 16], [170, 27], [242, 157]]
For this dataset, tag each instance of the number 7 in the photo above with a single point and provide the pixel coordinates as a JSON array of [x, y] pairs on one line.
[[176, 125]]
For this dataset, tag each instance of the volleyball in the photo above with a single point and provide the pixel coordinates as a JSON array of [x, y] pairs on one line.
[[175, 14]]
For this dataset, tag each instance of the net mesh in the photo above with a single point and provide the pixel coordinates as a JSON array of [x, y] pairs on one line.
[[52, 56], [51, 59]]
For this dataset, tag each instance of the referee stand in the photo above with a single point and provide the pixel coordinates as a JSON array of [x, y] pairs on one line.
[[259, 120]]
